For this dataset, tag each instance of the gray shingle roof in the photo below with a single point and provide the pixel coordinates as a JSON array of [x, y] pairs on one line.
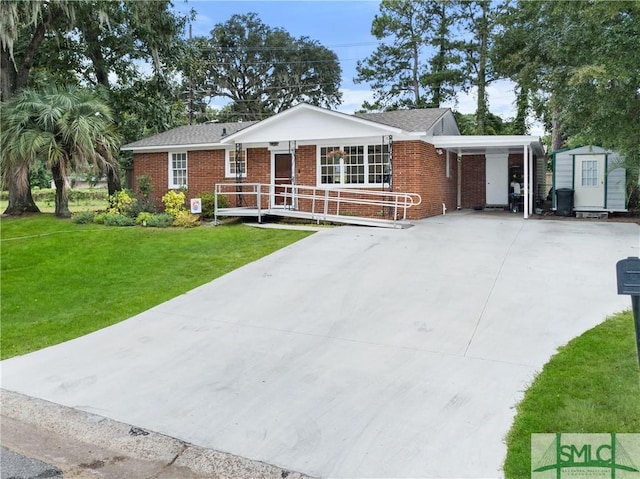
[[408, 120], [212, 133], [206, 133]]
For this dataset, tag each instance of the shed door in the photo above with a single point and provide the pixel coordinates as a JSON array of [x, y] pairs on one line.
[[589, 181], [497, 177]]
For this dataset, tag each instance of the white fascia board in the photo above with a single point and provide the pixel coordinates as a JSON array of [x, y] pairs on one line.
[[161, 148], [252, 135], [465, 142]]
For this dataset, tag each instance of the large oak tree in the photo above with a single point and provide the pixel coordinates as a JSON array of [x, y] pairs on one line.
[[262, 70]]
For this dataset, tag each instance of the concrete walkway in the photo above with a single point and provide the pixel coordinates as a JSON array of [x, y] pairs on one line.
[[357, 352]]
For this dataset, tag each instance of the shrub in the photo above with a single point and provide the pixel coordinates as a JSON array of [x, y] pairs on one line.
[[114, 219], [173, 203], [162, 220], [207, 204], [83, 217], [143, 218], [145, 186], [184, 219], [99, 218], [121, 203]]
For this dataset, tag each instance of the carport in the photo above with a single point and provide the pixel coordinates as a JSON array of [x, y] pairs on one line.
[[496, 151]]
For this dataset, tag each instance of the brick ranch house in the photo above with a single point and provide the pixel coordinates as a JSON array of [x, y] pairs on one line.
[[413, 151]]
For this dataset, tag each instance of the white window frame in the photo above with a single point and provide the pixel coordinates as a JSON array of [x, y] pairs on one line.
[[342, 167], [228, 173], [589, 173], [172, 184]]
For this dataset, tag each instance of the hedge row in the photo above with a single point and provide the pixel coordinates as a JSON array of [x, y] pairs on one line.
[[49, 194]]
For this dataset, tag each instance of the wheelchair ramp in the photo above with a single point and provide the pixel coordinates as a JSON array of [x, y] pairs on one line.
[[383, 209]]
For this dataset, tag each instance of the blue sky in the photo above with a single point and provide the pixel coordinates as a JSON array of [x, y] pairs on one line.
[[344, 26]]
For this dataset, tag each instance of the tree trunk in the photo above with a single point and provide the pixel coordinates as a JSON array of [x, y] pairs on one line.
[[113, 181], [556, 133], [20, 199], [481, 113], [62, 197]]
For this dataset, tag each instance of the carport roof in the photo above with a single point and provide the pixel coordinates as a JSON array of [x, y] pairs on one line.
[[480, 144]]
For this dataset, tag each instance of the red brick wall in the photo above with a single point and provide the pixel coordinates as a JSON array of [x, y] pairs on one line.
[[417, 168], [473, 190]]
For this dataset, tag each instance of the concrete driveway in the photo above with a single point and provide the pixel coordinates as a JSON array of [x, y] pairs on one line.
[[357, 352]]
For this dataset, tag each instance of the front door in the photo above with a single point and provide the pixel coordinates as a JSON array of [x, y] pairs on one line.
[[497, 177], [282, 174], [589, 181]]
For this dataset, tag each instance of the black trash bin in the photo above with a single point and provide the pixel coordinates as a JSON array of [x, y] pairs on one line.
[[564, 202]]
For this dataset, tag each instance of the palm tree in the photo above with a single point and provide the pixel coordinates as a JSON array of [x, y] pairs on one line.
[[68, 128]]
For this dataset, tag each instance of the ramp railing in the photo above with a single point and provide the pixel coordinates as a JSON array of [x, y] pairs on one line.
[[315, 203]]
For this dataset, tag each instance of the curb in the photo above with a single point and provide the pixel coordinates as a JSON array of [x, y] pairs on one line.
[[66, 436]]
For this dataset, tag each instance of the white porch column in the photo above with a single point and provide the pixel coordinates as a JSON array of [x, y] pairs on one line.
[[531, 178], [526, 181]]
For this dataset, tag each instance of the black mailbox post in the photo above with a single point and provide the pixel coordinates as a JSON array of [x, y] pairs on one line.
[[628, 271]]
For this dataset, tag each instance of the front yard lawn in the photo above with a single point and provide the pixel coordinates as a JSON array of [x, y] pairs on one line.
[[592, 385], [62, 280]]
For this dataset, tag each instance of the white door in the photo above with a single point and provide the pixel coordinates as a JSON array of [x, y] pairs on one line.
[[589, 181], [497, 177]]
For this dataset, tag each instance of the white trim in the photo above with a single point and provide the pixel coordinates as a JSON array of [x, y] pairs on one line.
[[164, 148], [482, 143], [227, 164], [172, 185], [239, 135]]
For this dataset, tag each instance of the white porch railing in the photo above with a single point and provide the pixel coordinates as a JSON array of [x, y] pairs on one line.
[[315, 203]]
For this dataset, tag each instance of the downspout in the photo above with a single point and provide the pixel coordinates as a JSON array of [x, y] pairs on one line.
[[459, 192]]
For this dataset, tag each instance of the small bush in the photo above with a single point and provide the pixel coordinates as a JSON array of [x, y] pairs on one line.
[[207, 204], [173, 202], [162, 220], [83, 217], [118, 220], [99, 218], [121, 203], [184, 219], [143, 218]]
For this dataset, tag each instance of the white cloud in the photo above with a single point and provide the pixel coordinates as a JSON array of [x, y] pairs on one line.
[[352, 99]]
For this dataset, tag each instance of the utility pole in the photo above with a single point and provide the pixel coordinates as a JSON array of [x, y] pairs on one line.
[[190, 83]]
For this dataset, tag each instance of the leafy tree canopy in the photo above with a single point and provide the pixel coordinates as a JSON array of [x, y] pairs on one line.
[[262, 70]]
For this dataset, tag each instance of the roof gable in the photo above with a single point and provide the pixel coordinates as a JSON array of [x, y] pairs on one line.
[[305, 122]]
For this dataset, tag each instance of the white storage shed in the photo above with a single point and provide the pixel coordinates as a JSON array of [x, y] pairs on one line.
[[596, 175]]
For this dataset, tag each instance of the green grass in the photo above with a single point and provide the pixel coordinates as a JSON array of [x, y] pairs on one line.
[[61, 280], [592, 385]]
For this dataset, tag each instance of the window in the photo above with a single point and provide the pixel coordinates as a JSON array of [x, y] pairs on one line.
[[235, 166], [177, 170], [378, 160], [354, 165], [590, 173]]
